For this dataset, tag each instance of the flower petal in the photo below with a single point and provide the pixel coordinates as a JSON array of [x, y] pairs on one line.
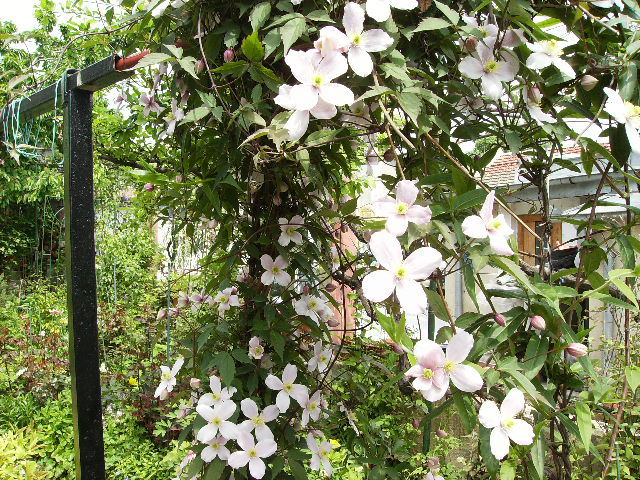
[[324, 110], [283, 401], [289, 374], [474, 227], [304, 97], [353, 18], [466, 378], [499, 442], [397, 224], [459, 346], [257, 468], [406, 192], [238, 459], [360, 61], [419, 215], [297, 124], [386, 248], [378, 286], [422, 263], [404, 4], [521, 432], [499, 243], [274, 383], [411, 296], [471, 67], [336, 94], [379, 10], [332, 66], [489, 414], [512, 404], [266, 448], [429, 354], [249, 408], [538, 61], [376, 40]]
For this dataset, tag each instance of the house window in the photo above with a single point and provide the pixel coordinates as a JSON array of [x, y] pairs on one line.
[[529, 246]]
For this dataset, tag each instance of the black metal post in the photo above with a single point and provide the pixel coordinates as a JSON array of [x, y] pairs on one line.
[[84, 353]]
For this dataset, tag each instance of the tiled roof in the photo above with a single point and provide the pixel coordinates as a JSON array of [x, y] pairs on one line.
[[503, 170]]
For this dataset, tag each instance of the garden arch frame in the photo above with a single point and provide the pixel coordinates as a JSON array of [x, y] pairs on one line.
[[74, 92]]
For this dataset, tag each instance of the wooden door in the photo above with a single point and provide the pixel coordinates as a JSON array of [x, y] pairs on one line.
[[529, 246]]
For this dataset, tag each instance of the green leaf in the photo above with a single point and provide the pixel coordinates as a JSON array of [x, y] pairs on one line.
[[436, 303], [252, 48], [396, 71], [537, 456], [508, 470], [633, 377], [466, 409], [535, 356], [411, 104], [469, 199], [215, 469], [259, 15], [583, 413], [298, 470], [513, 140], [194, 467], [374, 91], [432, 23], [232, 68], [226, 366], [151, 59], [278, 342], [195, 115], [291, 31], [491, 462], [276, 466], [452, 15], [321, 136]]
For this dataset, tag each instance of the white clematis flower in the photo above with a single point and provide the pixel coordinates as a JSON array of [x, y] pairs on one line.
[[289, 230], [252, 453], [503, 425], [546, 53], [315, 74], [312, 409], [298, 122], [490, 70], [320, 454], [288, 389], [398, 274], [226, 299], [401, 210], [258, 420], [215, 448], [218, 394], [168, 379], [150, 105], [217, 421], [274, 270], [356, 41], [380, 10], [311, 306], [464, 377], [256, 350], [173, 117], [321, 358], [534, 98], [486, 225], [625, 113]]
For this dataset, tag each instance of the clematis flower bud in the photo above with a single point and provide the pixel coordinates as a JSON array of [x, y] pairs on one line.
[[415, 423], [330, 287], [333, 322], [162, 314], [588, 82], [306, 290], [194, 383], [470, 44], [538, 322], [395, 347], [577, 349], [277, 199], [149, 187], [199, 67], [228, 55], [501, 319], [441, 433]]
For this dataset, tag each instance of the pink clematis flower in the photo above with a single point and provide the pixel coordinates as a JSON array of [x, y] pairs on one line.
[[252, 453], [226, 299], [380, 10], [321, 358], [173, 117], [491, 71], [274, 270], [398, 274], [256, 350], [486, 225], [312, 409], [428, 372], [356, 41], [315, 74], [401, 210], [287, 389], [218, 394], [168, 379], [121, 97], [503, 425], [215, 448], [257, 420], [311, 306], [150, 104], [320, 454]]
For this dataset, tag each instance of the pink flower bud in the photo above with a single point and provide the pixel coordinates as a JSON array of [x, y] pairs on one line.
[[395, 347], [538, 322], [433, 462], [588, 82], [333, 322], [330, 287], [415, 423], [277, 199], [194, 383], [162, 314], [199, 67], [180, 178], [501, 319], [470, 44], [441, 433], [228, 55], [149, 187], [577, 349], [306, 290]]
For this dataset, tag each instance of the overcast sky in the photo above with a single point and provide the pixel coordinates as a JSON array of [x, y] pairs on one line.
[[20, 13]]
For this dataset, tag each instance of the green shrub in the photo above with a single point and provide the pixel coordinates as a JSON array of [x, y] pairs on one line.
[[18, 451]]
